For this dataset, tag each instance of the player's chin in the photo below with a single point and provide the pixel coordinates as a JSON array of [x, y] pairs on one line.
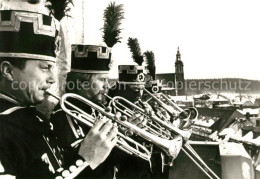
[[38, 98], [101, 99]]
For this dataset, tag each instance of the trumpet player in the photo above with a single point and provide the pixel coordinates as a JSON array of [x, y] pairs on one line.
[[89, 69], [88, 78], [154, 87], [29, 149], [130, 86]]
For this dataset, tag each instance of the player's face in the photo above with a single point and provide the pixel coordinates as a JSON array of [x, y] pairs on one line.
[[98, 87], [31, 82]]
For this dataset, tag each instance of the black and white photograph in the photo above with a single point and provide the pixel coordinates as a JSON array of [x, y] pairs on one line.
[[129, 89]]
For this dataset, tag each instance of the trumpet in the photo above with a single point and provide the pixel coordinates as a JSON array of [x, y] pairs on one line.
[[119, 103], [125, 143], [185, 115]]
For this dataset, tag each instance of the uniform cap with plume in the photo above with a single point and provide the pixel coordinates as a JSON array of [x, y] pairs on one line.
[[113, 15], [134, 46]]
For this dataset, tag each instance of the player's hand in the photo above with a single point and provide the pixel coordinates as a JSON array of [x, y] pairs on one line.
[[99, 142]]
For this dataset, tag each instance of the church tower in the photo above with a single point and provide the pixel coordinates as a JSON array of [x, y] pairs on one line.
[[179, 75]]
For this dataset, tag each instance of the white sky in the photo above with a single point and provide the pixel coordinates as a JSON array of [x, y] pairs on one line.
[[217, 38]]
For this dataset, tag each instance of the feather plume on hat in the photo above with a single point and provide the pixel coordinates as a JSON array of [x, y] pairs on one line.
[[59, 8], [134, 46], [150, 62], [113, 15]]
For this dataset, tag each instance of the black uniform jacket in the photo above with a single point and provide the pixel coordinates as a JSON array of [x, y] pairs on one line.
[[28, 147], [130, 166]]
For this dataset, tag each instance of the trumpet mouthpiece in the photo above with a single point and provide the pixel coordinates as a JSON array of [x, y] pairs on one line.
[[47, 92]]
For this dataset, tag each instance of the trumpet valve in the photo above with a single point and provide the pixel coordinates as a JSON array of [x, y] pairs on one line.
[[123, 118], [129, 133], [108, 109]]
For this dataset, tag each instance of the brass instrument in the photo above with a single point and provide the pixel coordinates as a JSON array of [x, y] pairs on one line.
[[167, 146], [89, 120], [192, 111], [185, 115], [125, 143], [119, 103]]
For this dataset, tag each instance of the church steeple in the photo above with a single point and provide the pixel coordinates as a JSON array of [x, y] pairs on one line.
[[178, 55], [179, 75], [178, 62]]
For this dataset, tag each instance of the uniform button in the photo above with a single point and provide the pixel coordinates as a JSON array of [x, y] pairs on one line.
[[78, 131], [73, 168], [58, 149], [59, 177], [51, 126], [79, 163], [65, 173], [60, 169]]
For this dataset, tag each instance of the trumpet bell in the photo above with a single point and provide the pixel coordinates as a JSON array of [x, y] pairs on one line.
[[174, 146], [193, 113], [184, 115]]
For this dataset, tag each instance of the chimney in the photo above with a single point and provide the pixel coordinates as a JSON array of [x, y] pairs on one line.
[[258, 122], [248, 116], [241, 106]]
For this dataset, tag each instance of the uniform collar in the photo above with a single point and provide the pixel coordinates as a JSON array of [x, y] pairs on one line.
[[22, 116], [10, 99]]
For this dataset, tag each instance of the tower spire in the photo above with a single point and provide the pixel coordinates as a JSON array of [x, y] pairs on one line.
[[178, 55], [178, 62], [179, 74]]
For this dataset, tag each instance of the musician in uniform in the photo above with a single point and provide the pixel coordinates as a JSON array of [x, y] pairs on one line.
[[131, 80], [130, 86], [89, 70], [154, 87], [88, 78], [29, 148]]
